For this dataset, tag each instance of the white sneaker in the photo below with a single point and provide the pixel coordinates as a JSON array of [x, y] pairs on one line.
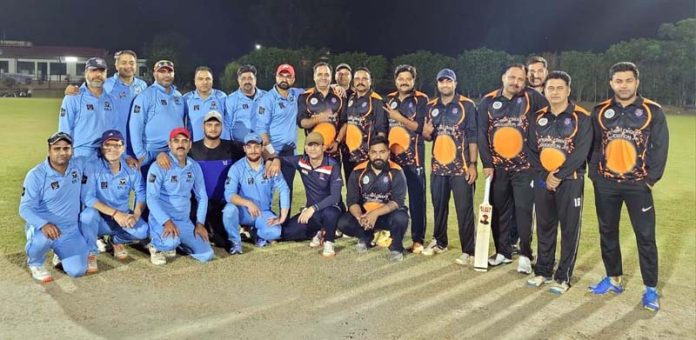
[[56, 260], [157, 257], [464, 260], [120, 252], [92, 264], [169, 253], [559, 288], [433, 248], [101, 245], [498, 259], [40, 274], [538, 280], [328, 249], [317, 239], [524, 265]]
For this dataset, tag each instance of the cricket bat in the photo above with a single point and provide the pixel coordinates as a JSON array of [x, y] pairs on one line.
[[483, 230]]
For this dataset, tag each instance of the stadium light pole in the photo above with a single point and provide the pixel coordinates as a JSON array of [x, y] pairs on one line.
[[257, 46]]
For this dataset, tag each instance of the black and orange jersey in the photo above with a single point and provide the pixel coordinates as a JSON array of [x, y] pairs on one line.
[[365, 118], [630, 143], [454, 129], [312, 103], [371, 190], [503, 128], [561, 142], [407, 146]]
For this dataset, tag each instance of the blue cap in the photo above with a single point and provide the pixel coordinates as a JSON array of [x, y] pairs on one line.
[[446, 73], [252, 137], [97, 63], [112, 135]]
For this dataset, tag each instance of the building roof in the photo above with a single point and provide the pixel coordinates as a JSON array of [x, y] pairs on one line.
[[50, 52]]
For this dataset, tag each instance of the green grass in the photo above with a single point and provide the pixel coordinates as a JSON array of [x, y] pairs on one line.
[[28, 122]]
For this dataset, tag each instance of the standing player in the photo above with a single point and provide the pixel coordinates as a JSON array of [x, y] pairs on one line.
[[344, 77], [241, 107], [537, 70], [503, 123], [629, 156], [203, 100], [406, 109], [452, 127], [50, 205], [560, 140]]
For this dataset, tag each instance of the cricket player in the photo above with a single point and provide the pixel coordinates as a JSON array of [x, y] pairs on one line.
[[249, 194], [50, 205], [107, 192], [560, 140], [241, 107], [452, 128], [628, 158], [169, 200], [537, 71], [203, 100], [375, 199], [88, 114]]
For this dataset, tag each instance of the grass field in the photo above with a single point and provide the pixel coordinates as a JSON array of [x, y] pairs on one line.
[[27, 123]]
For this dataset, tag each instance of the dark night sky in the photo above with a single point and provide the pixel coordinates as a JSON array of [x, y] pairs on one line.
[[223, 30]]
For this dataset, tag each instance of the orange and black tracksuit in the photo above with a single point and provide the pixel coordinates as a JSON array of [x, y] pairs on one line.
[[455, 128], [628, 157], [364, 118], [408, 150], [372, 190], [312, 103], [503, 126], [559, 143]]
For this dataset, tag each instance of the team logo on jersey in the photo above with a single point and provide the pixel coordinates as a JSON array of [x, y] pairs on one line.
[[435, 112], [55, 185], [639, 112], [313, 101], [104, 185], [107, 106], [137, 91], [121, 182], [364, 104], [455, 110], [250, 180], [350, 103], [213, 106], [497, 105], [410, 105], [543, 121], [245, 106], [385, 179], [393, 105], [174, 179], [74, 176], [262, 110], [163, 102], [566, 121], [333, 100], [196, 107], [136, 108], [322, 177], [609, 114], [519, 100], [84, 179], [62, 112], [122, 95], [366, 180], [189, 176], [90, 107], [176, 101], [152, 178], [282, 106]]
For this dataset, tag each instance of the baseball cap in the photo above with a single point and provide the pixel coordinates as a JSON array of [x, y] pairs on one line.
[[314, 137], [212, 115], [164, 64], [58, 136], [95, 63], [112, 135], [446, 73], [285, 68], [344, 65], [252, 137], [179, 131]]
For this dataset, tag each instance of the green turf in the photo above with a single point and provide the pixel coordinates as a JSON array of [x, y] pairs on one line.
[[28, 122]]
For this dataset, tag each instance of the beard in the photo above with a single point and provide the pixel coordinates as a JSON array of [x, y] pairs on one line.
[[378, 164], [284, 85], [253, 158], [96, 83]]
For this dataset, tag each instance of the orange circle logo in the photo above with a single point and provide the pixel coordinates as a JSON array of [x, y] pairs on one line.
[[353, 137], [507, 142], [444, 149], [399, 139], [369, 206], [552, 159], [327, 130], [621, 156]]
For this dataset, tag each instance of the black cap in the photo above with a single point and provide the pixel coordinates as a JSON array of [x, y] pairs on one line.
[[58, 136], [95, 63]]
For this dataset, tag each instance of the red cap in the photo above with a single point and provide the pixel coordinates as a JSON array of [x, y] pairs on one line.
[[285, 68], [179, 131]]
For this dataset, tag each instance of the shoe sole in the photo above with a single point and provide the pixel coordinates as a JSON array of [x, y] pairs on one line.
[[652, 309], [557, 291], [44, 280], [328, 255]]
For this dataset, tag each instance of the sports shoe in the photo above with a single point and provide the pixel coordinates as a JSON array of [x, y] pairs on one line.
[[92, 264], [169, 253], [464, 259], [383, 239], [317, 240], [559, 288], [157, 258], [538, 280], [40, 273], [120, 251], [417, 248], [651, 299], [235, 249], [101, 245], [396, 256], [498, 259], [524, 265], [361, 246], [261, 242], [515, 249], [605, 286], [244, 234], [56, 260], [328, 249], [339, 233], [433, 248]]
